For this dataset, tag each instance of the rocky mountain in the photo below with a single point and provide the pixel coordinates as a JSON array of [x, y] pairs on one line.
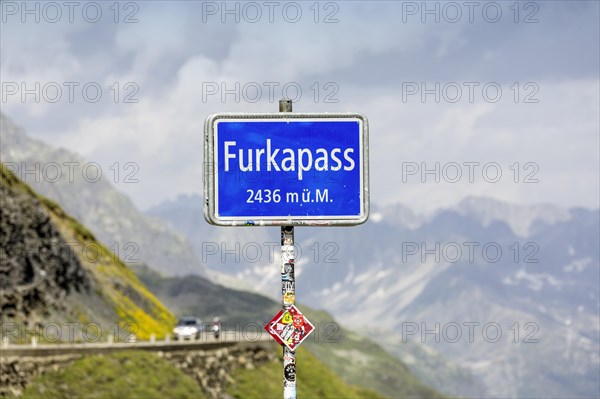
[[524, 220], [502, 298], [446, 283], [55, 272], [72, 181], [38, 267]]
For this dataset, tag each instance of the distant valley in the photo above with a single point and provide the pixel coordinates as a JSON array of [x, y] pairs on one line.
[[527, 273]]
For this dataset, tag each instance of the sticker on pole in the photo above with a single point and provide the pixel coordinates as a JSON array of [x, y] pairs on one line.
[[289, 327], [286, 169]]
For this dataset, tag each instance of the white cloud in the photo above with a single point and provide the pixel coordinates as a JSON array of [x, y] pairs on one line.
[[170, 54], [559, 134]]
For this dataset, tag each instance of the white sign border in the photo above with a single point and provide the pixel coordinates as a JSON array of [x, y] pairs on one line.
[[211, 174]]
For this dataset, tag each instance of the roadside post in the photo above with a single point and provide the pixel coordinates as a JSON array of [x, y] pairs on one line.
[[286, 169]]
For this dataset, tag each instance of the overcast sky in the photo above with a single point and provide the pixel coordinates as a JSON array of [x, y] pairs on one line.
[[376, 58]]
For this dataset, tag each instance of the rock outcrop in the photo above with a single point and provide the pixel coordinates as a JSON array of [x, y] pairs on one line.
[[37, 266], [54, 272]]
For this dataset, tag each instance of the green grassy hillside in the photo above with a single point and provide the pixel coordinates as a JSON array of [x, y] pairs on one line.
[[354, 358], [314, 379], [197, 296], [134, 374], [138, 374]]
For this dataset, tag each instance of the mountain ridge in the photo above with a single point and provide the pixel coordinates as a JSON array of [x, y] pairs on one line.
[[545, 274], [413, 274], [110, 214]]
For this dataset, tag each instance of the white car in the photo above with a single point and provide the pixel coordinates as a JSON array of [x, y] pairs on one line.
[[187, 328]]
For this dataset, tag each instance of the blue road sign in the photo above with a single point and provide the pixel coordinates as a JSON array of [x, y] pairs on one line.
[[286, 169]]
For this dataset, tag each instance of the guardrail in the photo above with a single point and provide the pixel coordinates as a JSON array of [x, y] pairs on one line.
[[35, 349]]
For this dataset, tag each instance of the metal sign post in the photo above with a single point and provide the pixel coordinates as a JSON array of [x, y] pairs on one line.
[[288, 295], [287, 169], [288, 290]]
